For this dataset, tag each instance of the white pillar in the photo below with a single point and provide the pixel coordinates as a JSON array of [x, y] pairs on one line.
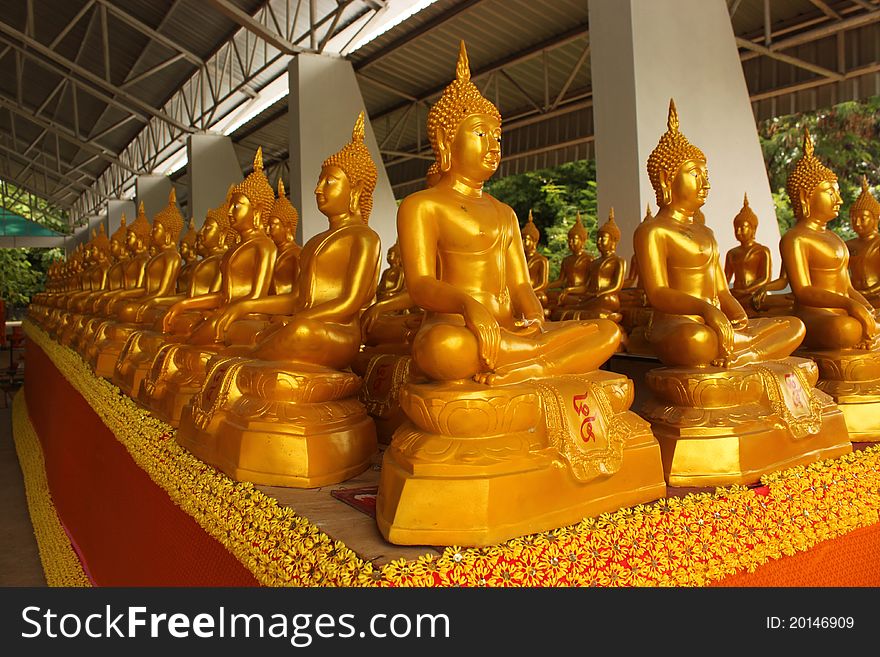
[[213, 166], [115, 210], [645, 52], [153, 190], [323, 105]]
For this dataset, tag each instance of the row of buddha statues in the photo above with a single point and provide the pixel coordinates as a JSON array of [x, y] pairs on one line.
[[488, 383]]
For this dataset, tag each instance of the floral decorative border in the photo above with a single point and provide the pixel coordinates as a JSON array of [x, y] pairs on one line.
[[689, 541]]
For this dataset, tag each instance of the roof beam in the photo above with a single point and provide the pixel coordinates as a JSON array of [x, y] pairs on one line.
[[828, 11], [255, 27], [95, 80], [788, 59]]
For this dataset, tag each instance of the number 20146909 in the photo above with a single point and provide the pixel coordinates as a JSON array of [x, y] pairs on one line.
[[810, 622]]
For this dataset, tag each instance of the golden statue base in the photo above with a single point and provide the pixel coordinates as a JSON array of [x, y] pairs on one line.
[[385, 374], [176, 374], [852, 378], [476, 465], [136, 358], [719, 427], [270, 424]]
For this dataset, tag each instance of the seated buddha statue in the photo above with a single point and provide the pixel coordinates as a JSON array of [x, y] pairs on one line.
[[864, 250], [246, 270], [598, 296], [211, 242], [511, 429], [539, 264], [634, 309], [189, 257], [285, 412], [747, 266], [391, 283], [842, 329], [95, 281], [282, 229], [158, 288], [730, 405], [573, 271], [81, 286], [132, 271]]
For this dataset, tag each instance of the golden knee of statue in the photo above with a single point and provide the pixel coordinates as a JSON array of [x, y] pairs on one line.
[[285, 411], [841, 324], [731, 404], [513, 429]]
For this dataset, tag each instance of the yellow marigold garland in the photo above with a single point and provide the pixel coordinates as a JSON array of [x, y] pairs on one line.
[[60, 562], [690, 541]]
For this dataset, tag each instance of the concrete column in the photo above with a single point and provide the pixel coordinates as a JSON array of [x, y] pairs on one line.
[[323, 105], [83, 233], [153, 190], [643, 53], [213, 166], [115, 210]]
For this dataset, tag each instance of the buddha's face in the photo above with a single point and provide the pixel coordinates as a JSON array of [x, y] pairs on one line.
[[117, 248], [186, 251], [605, 243], [277, 231], [824, 202], [690, 186], [529, 244], [242, 213], [476, 147], [393, 256], [131, 240], [333, 191], [208, 237], [864, 222], [744, 231], [575, 243], [158, 233]]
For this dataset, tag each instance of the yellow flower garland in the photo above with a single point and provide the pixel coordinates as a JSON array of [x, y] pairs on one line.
[[60, 563], [691, 541]]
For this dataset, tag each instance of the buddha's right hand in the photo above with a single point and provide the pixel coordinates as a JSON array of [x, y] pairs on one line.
[[485, 327], [866, 318], [717, 321]]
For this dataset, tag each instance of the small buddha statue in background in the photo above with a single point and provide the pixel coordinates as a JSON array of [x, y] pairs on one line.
[[285, 412], [718, 361], [282, 229], [245, 272], [747, 266], [189, 257], [842, 328], [598, 297], [634, 309], [864, 250], [491, 446], [211, 242], [573, 271], [538, 263], [158, 288], [391, 283]]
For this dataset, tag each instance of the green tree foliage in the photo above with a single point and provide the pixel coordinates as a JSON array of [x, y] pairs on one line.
[[846, 141], [554, 196]]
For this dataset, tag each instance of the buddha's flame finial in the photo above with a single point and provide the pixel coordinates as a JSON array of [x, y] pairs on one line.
[[357, 133], [864, 185], [611, 213], [531, 228], [610, 227], [141, 209], [865, 201], [808, 142], [648, 213], [258, 159], [462, 68], [172, 197], [745, 199], [281, 191], [672, 119], [531, 218]]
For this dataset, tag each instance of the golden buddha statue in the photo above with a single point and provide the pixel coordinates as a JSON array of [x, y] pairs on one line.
[[513, 431], [730, 405], [158, 288], [391, 283], [842, 330], [189, 257], [212, 240], [747, 266], [282, 229], [285, 411], [573, 271], [137, 240], [598, 296], [634, 309], [80, 288], [98, 254], [539, 264], [246, 270], [864, 250]]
